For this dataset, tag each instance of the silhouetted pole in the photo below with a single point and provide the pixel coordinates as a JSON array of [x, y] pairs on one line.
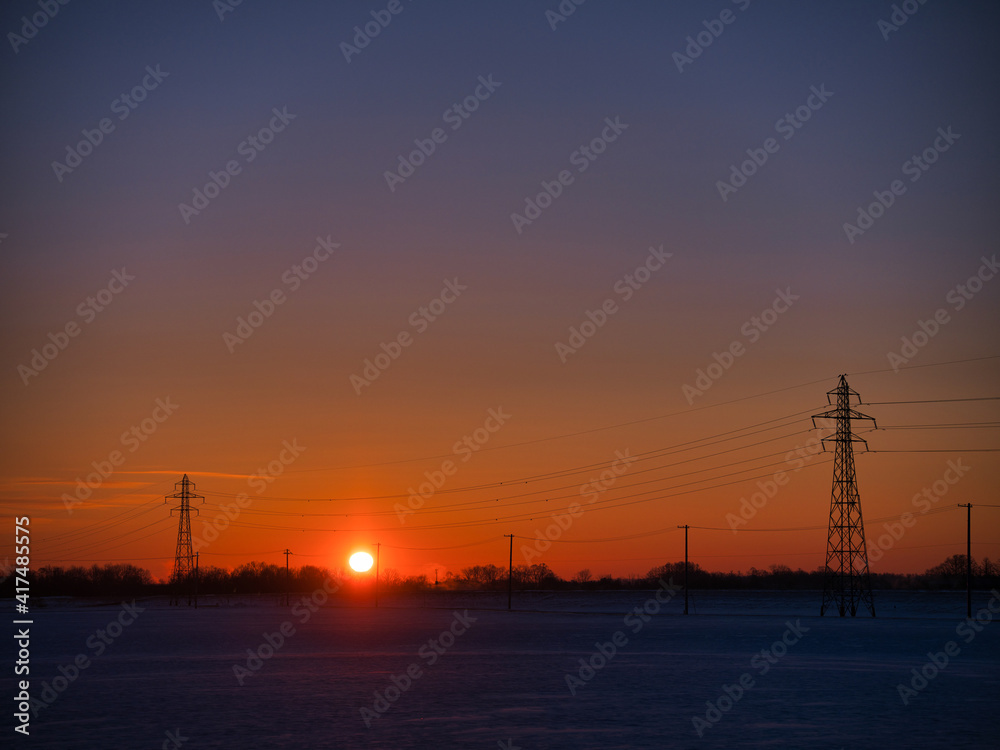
[[510, 571], [685, 527], [378, 546], [968, 558], [196, 554], [847, 585], [288, 591], [184, 559]]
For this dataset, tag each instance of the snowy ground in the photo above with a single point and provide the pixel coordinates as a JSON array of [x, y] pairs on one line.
[[481, 680]]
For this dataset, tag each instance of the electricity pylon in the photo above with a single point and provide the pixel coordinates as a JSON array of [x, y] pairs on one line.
[[847, 585], [184, 559]]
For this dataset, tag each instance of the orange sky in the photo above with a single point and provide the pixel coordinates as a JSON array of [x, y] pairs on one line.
[[692, 467]]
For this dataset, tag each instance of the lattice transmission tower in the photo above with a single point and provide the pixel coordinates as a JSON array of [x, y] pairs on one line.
[[184, 560], [847, 586]]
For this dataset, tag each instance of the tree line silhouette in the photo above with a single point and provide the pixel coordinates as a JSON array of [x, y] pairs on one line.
[[118, 579]]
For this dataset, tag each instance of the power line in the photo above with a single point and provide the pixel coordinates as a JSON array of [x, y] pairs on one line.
[[130, 541], [932, 401], [72, 537], [85, 530], [939, 450], [948, 425], [528, 516], [77, 548], [570, 434], [640, 535], [868, 523], [452, 508], [643, 456], [927, 364], [108, 559], [435, 549]]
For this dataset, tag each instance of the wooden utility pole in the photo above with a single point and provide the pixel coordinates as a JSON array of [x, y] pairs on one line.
[[685, 527], [510, 571], [288, 592], [378, 547], [968, 558]]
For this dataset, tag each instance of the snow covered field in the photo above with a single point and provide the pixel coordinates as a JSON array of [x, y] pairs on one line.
[[776, 676]]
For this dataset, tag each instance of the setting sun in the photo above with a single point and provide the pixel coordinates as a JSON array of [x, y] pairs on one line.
[[361, 561]]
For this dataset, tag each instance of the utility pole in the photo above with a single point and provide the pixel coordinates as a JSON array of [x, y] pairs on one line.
[[848, 585], [288, 592], [378, 547], [184, 558], [196, 555], [685, 527], [968, 558], [510, 572]]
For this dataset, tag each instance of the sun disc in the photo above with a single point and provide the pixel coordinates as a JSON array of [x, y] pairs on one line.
[[361, 561]]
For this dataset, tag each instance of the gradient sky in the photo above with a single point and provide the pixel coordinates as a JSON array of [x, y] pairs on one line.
[[655, 185]]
